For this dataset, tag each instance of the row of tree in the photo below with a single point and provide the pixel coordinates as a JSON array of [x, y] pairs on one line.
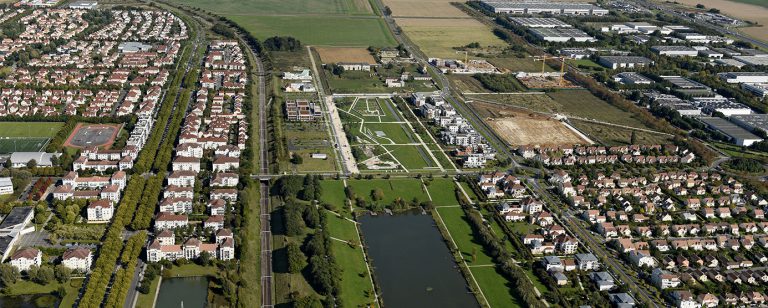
[[148, 203], [305, 188], [129, 259]]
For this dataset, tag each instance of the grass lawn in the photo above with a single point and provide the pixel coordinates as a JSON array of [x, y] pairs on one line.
[[583, 104], [393, 133], [497, 290], [310, 164], [333, 192], [320, 30], [412, 156], [462, 233], [30, 129], [146, 300], [72, 288], [250, 258], [469, 191], [442, 191], [536, 282], [585, 62], [355, 284], [407, 189], [190, 270]]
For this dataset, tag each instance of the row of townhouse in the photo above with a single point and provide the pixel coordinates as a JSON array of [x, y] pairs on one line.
[[142, 25]]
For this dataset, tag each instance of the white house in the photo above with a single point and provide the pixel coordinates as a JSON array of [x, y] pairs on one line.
[[77, 259], [166, 220], [24, 258], [100, 211]]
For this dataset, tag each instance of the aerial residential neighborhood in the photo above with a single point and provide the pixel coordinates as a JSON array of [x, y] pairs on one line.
[[401, 153]]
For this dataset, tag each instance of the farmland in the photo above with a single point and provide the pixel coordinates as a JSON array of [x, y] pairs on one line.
[[438, 37], [320, 30], [280, 7], [429, 8], [581, 103], [345, 54]]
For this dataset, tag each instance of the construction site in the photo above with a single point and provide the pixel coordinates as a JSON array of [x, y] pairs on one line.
[[544, 79]]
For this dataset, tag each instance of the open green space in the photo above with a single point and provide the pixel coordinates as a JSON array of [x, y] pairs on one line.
[[407, 189], [497, 290], [583, 104], [462, 234], [356, 286], [281, 7], [146, 300], [30, 129], [442, 191], [320, 30], [190, 270], [389, 133], [24, 287], [333, 192], [412, 157], [613, 135], [762, 3]]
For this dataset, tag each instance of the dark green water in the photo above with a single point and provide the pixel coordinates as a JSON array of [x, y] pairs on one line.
[[30, 301], [412, 263], [192, 291]]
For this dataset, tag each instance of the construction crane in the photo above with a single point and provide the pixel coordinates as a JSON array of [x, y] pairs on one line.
[[544, 59]]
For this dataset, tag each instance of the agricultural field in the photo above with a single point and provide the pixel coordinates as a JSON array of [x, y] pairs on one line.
[[428, 8], [26, 136], [467, 84], [320, 30], [281, 7], [345, 54], [382, 140], [531, 101], [581, 103], [438, 37]]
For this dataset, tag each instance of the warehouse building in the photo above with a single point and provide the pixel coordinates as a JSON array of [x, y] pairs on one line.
[[12, 227], [675, 51], [614, 62], [632, 78], [533, 22], [562, 35], [556, 8], [758, 89], [752, 60], [751, 121], [685, 83], [744, 77], [722, 105], [738, 135]]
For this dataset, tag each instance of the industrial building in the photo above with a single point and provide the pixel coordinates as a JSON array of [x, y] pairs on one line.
[[738, 135], [84, 5], [6, 186], [675, 51], [752, 60], [533, 22], [556, 8], [744, 77], [758, 89], [684, 83], [721, 105], [562, 35], [751, 121], [614, 62], [12, 227], [632, 78]]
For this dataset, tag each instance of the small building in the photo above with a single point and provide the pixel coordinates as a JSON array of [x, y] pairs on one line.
[[632, 78], [77, 259], [6, 186], [744, 77], [675, 51], [21, 159], [603, 280], [100, 211], [25, 258], [615, 62], [622, 300]]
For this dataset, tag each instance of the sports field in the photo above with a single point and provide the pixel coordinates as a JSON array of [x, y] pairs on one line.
[[437, 37], [386, 140], [26, 136]]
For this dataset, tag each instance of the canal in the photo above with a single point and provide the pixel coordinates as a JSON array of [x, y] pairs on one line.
[[186, 292], [412, 264]]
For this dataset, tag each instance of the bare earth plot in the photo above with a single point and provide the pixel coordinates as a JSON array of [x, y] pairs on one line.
[[426, 8], [345, 54], [520, 128]]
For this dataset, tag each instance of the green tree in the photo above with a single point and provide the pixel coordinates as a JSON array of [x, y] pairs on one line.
[[296, 259], [31, 164], [8, 274], [62, 273], [45, 275]]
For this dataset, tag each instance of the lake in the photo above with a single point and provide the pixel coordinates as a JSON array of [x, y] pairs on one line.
[[192, 291], [412, 264]]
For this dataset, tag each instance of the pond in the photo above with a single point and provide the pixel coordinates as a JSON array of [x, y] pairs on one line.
[[30, 301], [412, 263], [186, 292]]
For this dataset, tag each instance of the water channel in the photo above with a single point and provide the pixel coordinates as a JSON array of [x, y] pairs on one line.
[[412, 264]]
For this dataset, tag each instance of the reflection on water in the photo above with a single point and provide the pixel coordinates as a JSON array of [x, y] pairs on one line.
[[30, 301], [187, 292]]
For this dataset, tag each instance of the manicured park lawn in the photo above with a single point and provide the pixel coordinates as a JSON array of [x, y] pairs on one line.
[[393, 133], [190, 270], [497, 290], [320, 30], [23, 287], [463, 235], [442, 191], [333, 192], [407, 189], [469, 191], [30, 129], [412, 157], [146, 300], [355, 284]]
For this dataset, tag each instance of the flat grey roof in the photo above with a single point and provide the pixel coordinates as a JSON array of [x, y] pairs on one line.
[[5, 182], [673, 48], [626, 59], [535, 22], [16, 216], [728, 128], [684, 83], [752, 120], [559, 32], [543, 5]]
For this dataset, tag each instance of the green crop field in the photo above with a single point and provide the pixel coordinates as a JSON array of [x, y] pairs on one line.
[[281, 7], [583, 104], [442, 191], [320, 30], [407, 189], [29, 129]]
